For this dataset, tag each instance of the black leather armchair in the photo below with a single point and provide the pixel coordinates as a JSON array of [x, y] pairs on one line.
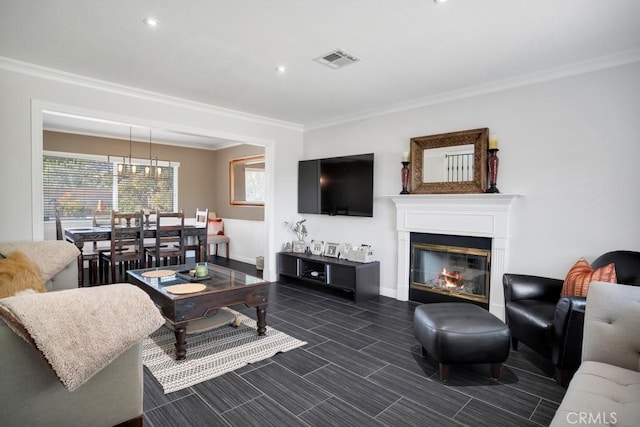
[[550, 325]]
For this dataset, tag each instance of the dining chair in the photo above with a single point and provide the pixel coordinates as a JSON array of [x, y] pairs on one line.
[[126, 249], [169, 240], [101, 219], [88, 254], [59, 231], [150, 218], [201, 221], [215, 234]]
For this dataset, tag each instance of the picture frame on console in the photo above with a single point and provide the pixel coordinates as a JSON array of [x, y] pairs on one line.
[[331, 249], [345, 248], [454, 162], [298, 246], [317, 247]]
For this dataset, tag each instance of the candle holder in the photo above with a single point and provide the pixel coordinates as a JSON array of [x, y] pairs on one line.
[[405, 177], [493, 170]]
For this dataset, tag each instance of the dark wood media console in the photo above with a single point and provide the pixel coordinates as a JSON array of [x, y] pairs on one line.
[[361, 279]]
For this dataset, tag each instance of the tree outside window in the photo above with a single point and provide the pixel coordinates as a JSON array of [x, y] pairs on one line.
[[78, 185], [254, 183]]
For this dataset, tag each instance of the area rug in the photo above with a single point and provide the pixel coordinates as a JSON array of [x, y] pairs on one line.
[[211, 354]]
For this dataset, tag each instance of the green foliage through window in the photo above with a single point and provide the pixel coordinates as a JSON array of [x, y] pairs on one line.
[[254, 184], [76, 186]]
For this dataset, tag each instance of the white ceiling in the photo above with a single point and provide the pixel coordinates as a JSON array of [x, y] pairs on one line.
[[224, 53]]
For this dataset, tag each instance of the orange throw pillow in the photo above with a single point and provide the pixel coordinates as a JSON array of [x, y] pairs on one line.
[[18, 273], [581, 275]]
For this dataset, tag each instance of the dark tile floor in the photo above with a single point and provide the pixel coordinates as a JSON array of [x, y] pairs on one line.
[[361, 367]]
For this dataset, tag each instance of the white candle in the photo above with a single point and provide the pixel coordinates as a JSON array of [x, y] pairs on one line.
[[405, 156], [493, 141]]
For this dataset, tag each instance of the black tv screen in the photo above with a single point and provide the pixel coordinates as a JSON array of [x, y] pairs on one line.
[[336, 186]]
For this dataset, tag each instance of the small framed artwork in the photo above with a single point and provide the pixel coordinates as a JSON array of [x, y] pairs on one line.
[[286, 247], [344, 250], [317, 246], [331, 249], [298, 246]]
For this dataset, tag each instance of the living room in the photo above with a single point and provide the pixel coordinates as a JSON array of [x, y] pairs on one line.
[[567, 134]]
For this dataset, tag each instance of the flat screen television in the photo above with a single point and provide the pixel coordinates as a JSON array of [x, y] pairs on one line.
[[336, 186]]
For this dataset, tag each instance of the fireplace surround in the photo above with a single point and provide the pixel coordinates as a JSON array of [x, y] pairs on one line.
[[445, 268], [475, 215]]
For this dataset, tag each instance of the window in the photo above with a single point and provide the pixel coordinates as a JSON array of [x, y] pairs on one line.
[[135, 192], [77, 185]]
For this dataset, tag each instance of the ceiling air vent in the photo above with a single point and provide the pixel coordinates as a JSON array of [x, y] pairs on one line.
[[336, 59]]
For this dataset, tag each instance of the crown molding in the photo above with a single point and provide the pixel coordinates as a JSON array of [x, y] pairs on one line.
[[21, 67], [582, 67], [60, 129]]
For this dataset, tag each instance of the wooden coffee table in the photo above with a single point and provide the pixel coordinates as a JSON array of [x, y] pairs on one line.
[[223, 287]]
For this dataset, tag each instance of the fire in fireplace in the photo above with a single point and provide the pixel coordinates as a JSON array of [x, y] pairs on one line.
[[448, 272]]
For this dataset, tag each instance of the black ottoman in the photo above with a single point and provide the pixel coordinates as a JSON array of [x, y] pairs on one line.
[[453, 333]]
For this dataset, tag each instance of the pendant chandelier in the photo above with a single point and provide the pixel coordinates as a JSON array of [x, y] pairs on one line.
[[129, 168]]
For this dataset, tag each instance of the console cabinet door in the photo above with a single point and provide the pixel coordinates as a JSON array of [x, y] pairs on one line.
[[288, 265], [344, 277]]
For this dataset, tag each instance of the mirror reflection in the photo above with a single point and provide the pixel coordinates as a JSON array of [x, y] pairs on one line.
[[454, 162], [448, 164], [247, 181]]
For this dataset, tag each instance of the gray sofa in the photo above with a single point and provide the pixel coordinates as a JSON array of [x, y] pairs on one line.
[[606, 388], [32, 395]]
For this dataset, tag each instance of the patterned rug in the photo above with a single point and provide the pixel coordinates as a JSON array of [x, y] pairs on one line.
[[211, 354]]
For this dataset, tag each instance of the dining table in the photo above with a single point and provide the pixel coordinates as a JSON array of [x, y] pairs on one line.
[[80, 235]]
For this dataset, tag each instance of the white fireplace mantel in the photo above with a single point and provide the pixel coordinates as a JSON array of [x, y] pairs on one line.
[[481, 215]]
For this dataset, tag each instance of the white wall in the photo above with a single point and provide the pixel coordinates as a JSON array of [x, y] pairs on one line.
[[22, 85], [570, 147], [246, 240]]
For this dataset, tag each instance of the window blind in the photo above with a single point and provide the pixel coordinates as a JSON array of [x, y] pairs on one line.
[[76, 186]]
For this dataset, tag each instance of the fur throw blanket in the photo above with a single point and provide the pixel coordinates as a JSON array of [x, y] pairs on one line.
[[80, 331], [49, 256], [18, 273]]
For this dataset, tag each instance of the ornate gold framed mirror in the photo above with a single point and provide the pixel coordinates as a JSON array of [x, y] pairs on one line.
[[454, 162]]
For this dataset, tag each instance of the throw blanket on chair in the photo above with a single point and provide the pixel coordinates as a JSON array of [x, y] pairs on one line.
[[49, 256], [80, 331]]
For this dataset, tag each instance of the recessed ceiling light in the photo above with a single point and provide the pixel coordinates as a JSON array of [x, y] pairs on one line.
[[440, 1], [151, 21], [281, 69]]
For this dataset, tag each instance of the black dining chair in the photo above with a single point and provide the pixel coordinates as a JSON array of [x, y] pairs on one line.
[[169, 240], [202, 220], [126, 250], [90, 255]]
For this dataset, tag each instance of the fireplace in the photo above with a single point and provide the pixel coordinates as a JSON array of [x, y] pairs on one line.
[[447, 268], [473, 216]]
